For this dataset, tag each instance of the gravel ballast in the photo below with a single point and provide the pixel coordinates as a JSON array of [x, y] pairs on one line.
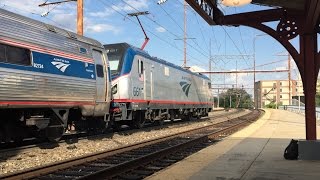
[[17, 161]]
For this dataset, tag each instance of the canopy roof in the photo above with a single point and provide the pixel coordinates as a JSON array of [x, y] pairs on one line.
[[296, 18], [290, 4]]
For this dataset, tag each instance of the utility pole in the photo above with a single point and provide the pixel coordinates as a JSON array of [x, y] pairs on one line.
[[210, 60], [218, 99], [79, 13], [184, 65], [185, 36], [237, 73], [289, 77], [230, 101]]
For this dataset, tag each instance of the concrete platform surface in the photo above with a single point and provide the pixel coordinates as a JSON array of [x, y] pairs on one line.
[[256, 152]]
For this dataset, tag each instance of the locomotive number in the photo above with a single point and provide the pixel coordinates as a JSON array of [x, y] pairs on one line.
[[39, 66], [137, 91]]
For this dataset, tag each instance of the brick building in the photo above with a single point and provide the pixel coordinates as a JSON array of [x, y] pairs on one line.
[[277, 91]]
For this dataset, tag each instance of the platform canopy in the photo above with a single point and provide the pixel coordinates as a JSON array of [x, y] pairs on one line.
[[296, 19], [290, 4]]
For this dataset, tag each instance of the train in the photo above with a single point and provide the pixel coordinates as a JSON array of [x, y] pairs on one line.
[[149, 89], [53, 82], [50, 80]]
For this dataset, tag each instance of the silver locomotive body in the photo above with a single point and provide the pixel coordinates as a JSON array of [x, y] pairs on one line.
[[49, 77], [147, 88]]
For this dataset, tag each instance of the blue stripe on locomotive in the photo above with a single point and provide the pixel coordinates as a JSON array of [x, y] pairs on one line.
[[131, 52], [46, 63]]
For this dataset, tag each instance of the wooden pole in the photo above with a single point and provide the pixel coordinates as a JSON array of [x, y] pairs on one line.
[[80, 18]]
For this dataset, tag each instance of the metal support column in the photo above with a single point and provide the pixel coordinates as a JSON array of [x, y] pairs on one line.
[[309, 72]]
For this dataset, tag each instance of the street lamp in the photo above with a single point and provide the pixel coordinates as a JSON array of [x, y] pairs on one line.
[[254, 66]]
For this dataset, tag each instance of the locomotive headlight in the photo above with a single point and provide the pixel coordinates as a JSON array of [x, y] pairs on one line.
[[114, 89]]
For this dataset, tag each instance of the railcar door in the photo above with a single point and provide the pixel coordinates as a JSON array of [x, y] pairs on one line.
[[147, 73], [101, 86]]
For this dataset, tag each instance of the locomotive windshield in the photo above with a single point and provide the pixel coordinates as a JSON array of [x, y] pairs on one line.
[[114, 61], [115, 56]]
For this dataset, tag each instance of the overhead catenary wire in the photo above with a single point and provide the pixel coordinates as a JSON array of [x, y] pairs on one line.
[[201, 31], [213, 33], [175, 21], [178, 25], [239, 51], [62, 26], [154, 21], [34, 13], [124, 15]]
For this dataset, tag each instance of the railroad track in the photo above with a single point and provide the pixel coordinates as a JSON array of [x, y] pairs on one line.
[[33, 143], [139, 160]]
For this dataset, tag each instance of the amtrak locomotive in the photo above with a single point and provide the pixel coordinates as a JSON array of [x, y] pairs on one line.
[[145, 88], [50, 80]]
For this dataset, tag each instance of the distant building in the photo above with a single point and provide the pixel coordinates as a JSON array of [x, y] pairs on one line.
[[277, 91]]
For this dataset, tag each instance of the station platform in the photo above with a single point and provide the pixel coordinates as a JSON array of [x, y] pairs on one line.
[[255, 152]]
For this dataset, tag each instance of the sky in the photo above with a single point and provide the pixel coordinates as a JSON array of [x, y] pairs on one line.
[[107, 22]]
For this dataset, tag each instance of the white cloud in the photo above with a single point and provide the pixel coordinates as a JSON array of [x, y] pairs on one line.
[[129, 5], [62, 16], [161, 29], [98, 28], [65, 21], [281, 68], [30, 6], [136, 4], [102, 14]]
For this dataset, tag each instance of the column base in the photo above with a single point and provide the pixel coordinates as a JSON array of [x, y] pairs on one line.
[[309, 149]]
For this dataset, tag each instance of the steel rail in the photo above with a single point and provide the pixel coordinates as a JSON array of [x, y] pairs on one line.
[[113, 171], [53, 167], [36, 143]]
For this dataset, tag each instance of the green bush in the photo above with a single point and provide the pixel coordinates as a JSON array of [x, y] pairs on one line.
[[271, 105]]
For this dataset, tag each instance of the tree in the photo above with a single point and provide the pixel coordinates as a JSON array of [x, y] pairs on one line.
[[239, 98]]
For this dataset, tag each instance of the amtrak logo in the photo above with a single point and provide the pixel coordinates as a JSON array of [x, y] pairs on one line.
[[185, 87], [60, 65]]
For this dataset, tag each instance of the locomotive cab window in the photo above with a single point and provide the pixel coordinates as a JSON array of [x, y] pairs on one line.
[[15, 55]]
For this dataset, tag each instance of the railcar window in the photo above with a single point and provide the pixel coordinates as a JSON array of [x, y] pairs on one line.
[[99, 70], [2, 53], [166, 71], [140, 67], [17, 55], [14, 55]]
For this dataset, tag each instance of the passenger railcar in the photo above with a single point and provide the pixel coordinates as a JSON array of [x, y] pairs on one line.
[[147, 88], [50, 80]]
